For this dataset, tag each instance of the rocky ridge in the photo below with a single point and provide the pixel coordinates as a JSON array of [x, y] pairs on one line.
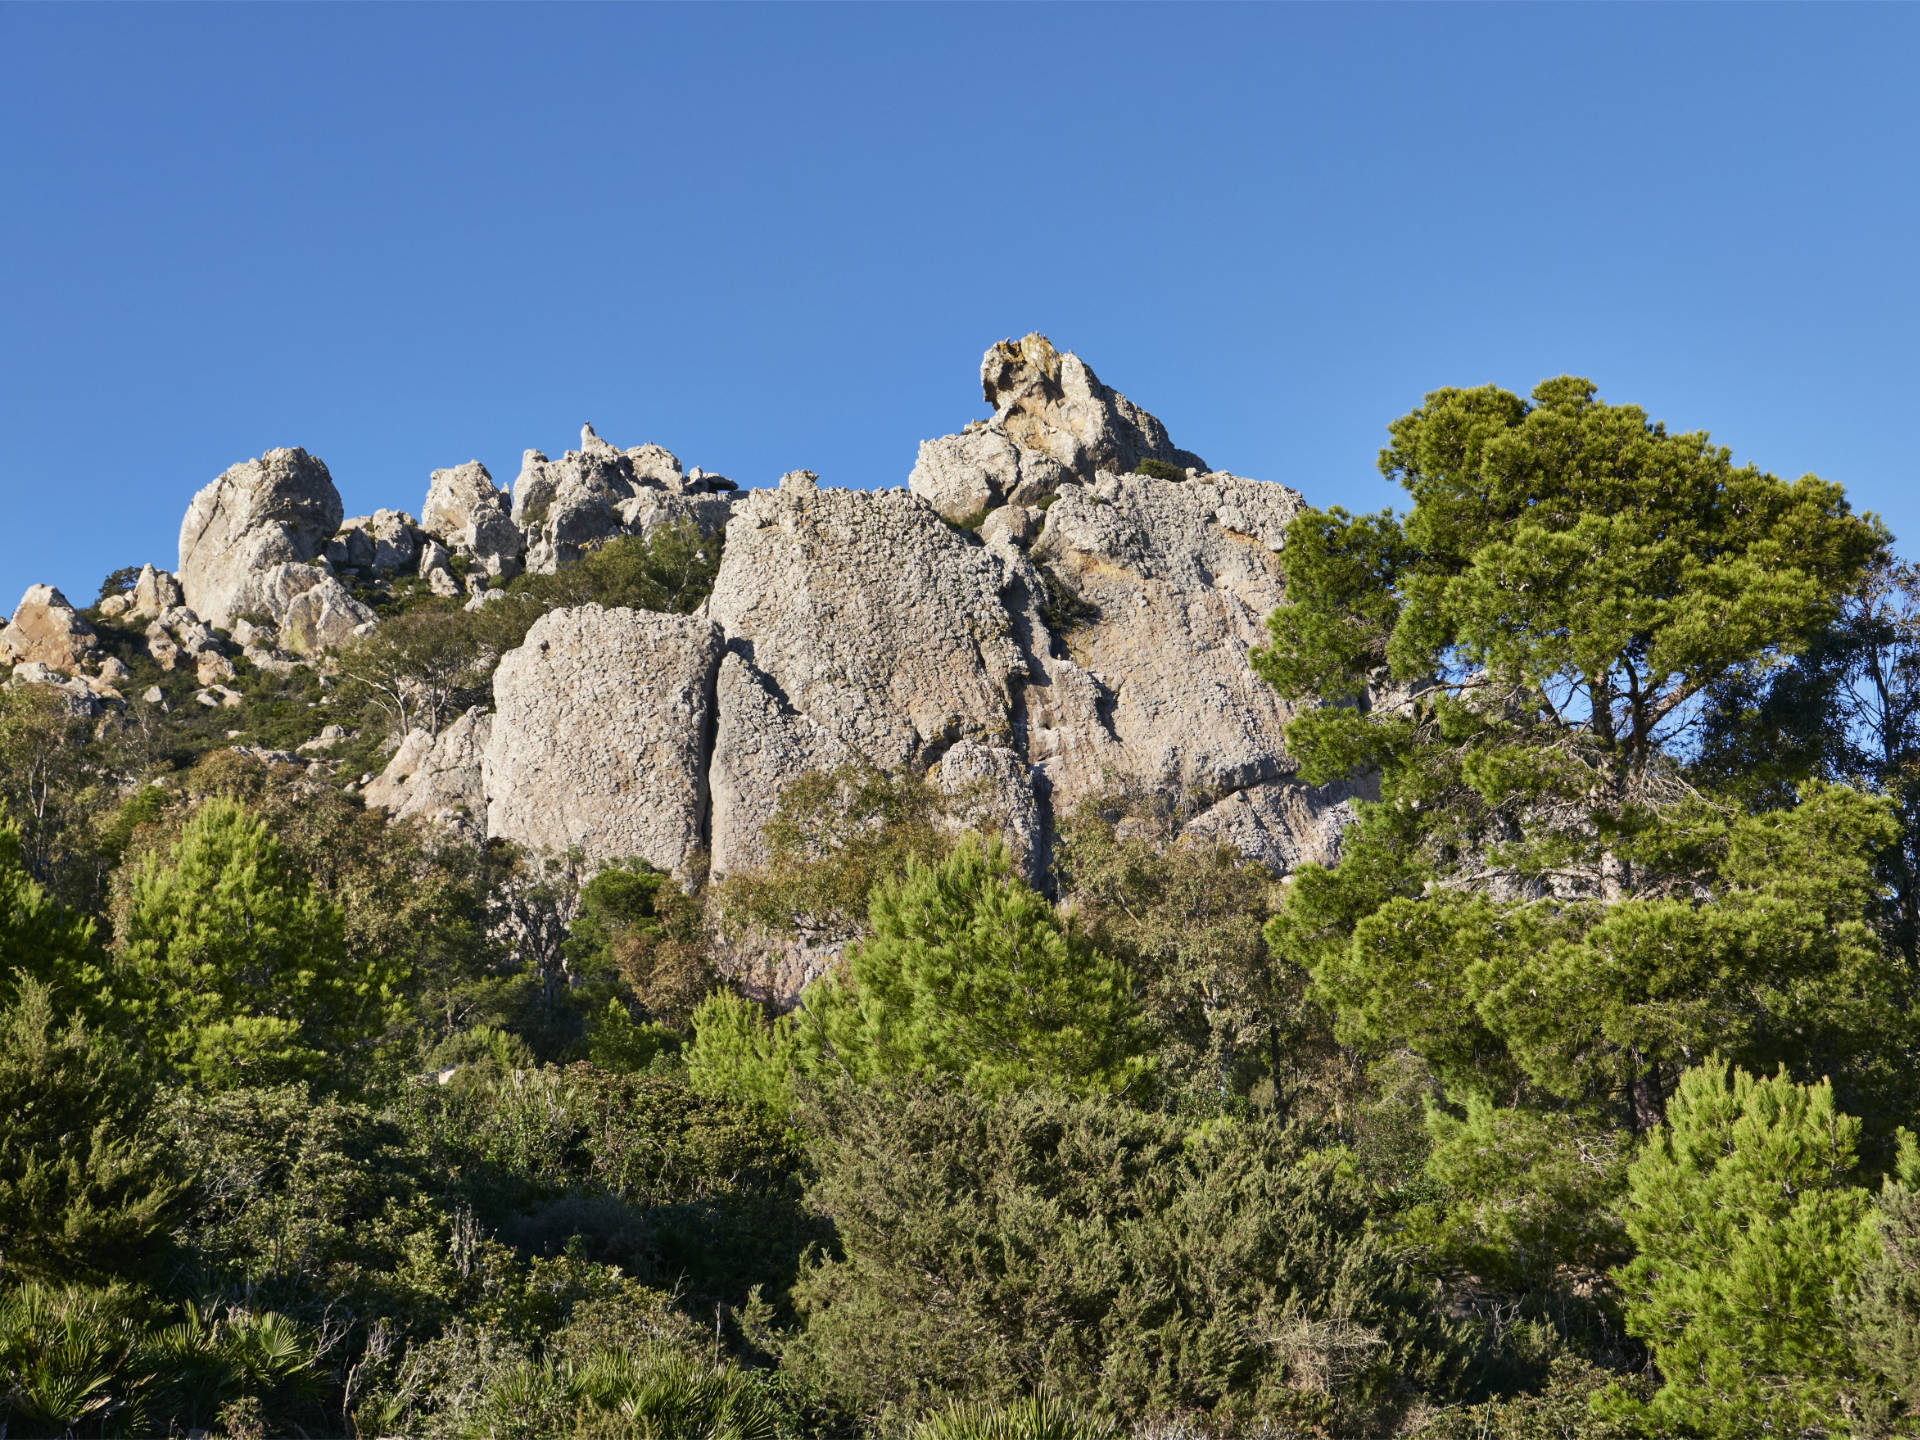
[[1029, 622]]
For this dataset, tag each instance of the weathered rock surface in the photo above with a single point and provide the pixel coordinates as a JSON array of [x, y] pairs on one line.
[[46, 630], [79, 698], [601, 734], [872, 617], [155, 593], [455, 497], [1054, 403], [993, 790], [1160, 588], [386, 541], [311, 610], [760, 744], [277, 510], [963, 476], [437, 777], [597, 492]]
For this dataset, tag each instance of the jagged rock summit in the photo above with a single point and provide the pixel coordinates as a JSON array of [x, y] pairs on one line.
[[1025, 625], [1058, 604]]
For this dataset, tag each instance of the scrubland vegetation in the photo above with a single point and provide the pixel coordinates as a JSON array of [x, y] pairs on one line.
[[1573, 1100]]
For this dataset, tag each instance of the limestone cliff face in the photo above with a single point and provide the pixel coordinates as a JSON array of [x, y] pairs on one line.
[[1028, 623], [601, 735], [1090, 632]]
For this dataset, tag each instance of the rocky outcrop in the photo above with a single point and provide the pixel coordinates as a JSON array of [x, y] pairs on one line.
[[386, 542], [871, 617], [760, 744], [466, 511], [155, 593], [46, 630], [601, 736], [595, 493], [966, 475], [280, 509], [311, 610], [1156, 591], [79, 696], [1054, 403], [439, 778]]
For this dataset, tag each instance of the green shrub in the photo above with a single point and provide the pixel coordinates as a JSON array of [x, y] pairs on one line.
[[1140, 1266], [1158, 469]]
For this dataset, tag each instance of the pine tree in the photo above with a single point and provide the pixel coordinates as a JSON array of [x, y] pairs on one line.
[[1748, 1226], [82, 1194], [231, 969], [968, 971], [1543, 905]]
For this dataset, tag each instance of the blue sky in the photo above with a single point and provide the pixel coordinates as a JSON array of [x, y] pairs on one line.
[[778, 237]]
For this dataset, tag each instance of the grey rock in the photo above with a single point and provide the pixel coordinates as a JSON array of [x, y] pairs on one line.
[[1284, 824], [965, 475], [219, 697], [46, 630], [993, 794], [114, 606], [351, 547], [280, 509], [1174, 581], [155, 593], [113, 670], [456, 497], [211, 667], [1054, 403], [600, 738], [760, 745], [311, 610], [161, 647], [596, 493], [871, 616], [154, 695], [438, 778], [78, 698], [1012, 523], [496, 542]]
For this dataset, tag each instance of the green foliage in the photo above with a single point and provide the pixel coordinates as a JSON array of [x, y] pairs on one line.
[[39, 939], [738, 1051], [1139, 1267], [1158, 469], [118, 582], [231, 969], [966, 971], [671, 570], [835, 834], [1883, 1313], [99, 1360], [1226, 1019], [1038, 1417], [1747, 1228], [82, 1194]]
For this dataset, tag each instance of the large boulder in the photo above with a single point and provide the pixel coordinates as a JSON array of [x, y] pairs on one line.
[[601, 734], [439, 777], [472, 516], [760, 745], [309, 606], [277, 510], [1053, 403], [966, 475], [155, 593], [46, 630], [1155, 590]]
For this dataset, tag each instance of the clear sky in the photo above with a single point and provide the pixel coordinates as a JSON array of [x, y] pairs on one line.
[[779, 237]]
